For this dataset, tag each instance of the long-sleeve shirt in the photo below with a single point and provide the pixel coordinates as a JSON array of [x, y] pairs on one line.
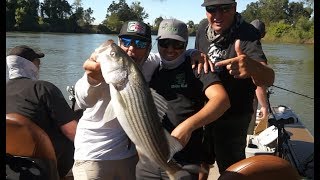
[[98, 138]]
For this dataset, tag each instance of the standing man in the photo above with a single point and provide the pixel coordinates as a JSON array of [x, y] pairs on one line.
[[102, 148], [261, 91], [235, 49]]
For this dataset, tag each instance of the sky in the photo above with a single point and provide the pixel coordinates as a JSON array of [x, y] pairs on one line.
[[184, 10]]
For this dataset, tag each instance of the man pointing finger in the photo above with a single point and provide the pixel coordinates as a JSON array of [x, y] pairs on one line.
[[234, 48], [242, 66]]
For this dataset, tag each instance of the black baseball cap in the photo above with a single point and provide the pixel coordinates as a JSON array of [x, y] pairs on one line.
[[25, 52], [137, 29], [259, 25], [217, 2]]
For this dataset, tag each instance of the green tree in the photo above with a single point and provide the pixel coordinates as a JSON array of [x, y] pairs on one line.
[[309, 2], [56, 9], [273, 10], [252, 12], [26, 14], [77, 4], [56, 13], [264, 9], [87, 16], [117, 13], [157, 22], [190, 24], [11, 6], [138, 11], [296, 10]]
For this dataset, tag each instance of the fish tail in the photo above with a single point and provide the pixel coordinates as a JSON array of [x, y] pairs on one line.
[[171, 175]]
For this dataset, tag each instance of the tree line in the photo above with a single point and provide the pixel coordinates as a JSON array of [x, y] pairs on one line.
[[293, 20]]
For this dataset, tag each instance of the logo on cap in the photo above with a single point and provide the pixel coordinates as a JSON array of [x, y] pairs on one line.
[[136, 27], [169, 28]]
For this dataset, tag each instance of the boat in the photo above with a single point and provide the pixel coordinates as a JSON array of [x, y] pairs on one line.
[[285, 137], [281, 135], [281, 147]]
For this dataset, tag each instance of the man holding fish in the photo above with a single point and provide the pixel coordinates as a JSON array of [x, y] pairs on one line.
[[101, 155], [102, 148]]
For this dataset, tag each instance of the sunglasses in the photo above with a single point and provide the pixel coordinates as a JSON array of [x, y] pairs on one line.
[[165, 43], [140, 44], [223, 8]]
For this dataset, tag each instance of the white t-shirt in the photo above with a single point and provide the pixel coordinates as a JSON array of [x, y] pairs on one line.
[[97, 138]]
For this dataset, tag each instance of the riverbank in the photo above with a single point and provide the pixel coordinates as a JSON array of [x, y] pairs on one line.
[[272, 39], [267, 38]]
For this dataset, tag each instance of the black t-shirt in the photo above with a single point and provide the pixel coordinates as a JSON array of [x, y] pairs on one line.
[[241, 91], [184, 88], [43, 103]]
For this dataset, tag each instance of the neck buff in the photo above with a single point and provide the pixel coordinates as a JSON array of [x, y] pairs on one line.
[[225, 37], [21, 67], [220, 42], [165, 64]]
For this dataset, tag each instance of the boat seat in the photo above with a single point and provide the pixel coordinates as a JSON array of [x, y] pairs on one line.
[[25, 139], [262, 167]]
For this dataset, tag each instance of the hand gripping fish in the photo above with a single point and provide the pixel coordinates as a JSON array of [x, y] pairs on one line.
[[137, 107]]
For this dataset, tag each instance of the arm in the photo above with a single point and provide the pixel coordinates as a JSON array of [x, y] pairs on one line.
[[87, 95], [93, 70], [69, 129], [243, 66], [261, 94], [218, 103], [262, 74], [58, 109], [89, 89]]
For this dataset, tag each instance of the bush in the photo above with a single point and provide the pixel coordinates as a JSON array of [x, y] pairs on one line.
[[279, 29]]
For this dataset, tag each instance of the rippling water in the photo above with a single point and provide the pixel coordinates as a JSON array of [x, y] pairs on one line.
[[65, 54]]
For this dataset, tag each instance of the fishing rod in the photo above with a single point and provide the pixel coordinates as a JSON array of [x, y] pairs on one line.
[[293, 92], [71, 96]]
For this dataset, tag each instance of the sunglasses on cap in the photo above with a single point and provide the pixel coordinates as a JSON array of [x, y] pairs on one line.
[[165, 43], [223, 8], [140, 44]]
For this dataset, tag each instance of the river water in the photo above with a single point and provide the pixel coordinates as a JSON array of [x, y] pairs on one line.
[[65, 54]]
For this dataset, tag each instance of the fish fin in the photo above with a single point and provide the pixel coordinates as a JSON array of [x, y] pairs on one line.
[[171, 176], [109, 113], [174, 144], [119, 100], [163, 107], [160, 102]]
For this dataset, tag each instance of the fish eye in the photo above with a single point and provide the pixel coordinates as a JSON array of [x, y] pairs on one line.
[[112, 53]]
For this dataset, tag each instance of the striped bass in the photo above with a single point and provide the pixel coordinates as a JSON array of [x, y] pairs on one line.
[[137, 107]]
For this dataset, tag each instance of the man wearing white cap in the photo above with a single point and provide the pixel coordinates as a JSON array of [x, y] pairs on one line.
[[196, 99]]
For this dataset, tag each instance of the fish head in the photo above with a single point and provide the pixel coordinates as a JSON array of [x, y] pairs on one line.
[[114, 62]]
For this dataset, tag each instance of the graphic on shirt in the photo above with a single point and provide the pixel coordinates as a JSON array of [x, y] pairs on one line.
[[179, 82], [216, 54]]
